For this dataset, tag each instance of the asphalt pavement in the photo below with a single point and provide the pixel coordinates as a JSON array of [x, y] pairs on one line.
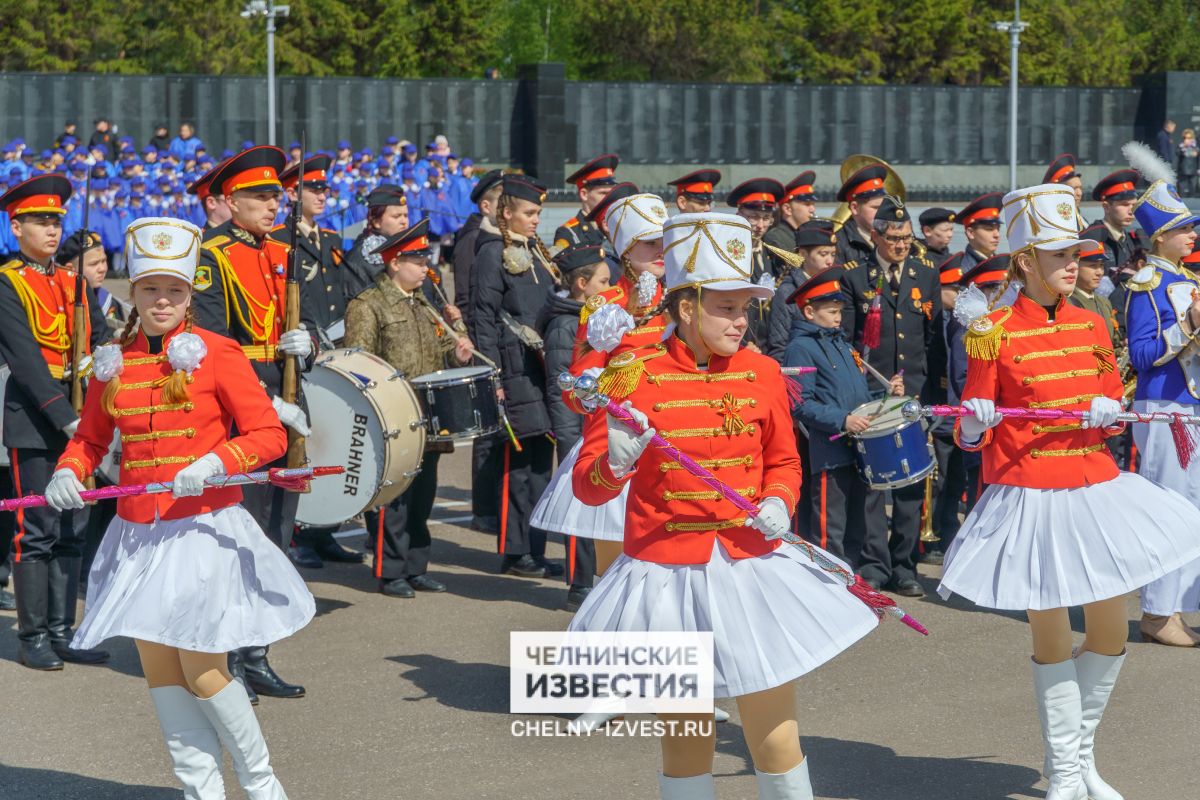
[[409, 699]]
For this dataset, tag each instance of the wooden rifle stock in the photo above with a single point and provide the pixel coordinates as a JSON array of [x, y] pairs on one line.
[[296, 453], [79, 317]]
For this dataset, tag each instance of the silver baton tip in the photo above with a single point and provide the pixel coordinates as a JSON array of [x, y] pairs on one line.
[[566, 381], [912, 410]]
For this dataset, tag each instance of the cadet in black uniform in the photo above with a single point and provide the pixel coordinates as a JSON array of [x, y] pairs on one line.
[[755, 201], [592, 181], [816, 249], [937, 229], [863, 191], [323, 297], [513, 279], [911, 304], [36, 335], [694, 191], [1117, 194], [796, 207], [387, 215], [1062, 170], [981, 221], [241, 293]]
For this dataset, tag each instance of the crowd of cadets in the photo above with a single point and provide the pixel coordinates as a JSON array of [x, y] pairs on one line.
[[129, 184], [521, 304]]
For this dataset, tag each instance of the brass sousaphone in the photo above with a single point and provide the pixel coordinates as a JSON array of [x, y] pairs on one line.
[[891, 184]]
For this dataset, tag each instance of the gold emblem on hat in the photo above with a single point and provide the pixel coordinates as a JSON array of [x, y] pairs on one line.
[[899, 213], [266, 173], [735, 248], [161, 240], [1064, 210], [659, 212]]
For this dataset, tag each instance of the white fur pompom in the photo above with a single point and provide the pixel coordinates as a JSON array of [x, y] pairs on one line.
[[606, 327], [647, 285], [107, 362], [1106, 287], [186, 351], [970, 305]]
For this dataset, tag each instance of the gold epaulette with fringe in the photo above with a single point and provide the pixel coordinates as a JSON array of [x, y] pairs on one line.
[[982, 339], [624, 372]]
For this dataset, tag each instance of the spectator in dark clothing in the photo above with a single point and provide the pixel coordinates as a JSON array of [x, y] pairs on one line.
[[1188, 163], [585, 273], [1166, 147], [161, 140], [101, 135], [68, 130], [484, 196]]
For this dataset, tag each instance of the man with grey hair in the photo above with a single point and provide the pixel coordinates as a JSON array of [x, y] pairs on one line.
[[908, 290]]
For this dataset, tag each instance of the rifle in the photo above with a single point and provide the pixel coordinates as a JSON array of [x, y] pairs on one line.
[[79, 338], [296, 455]]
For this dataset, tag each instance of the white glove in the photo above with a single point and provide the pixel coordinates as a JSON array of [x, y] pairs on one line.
[[296, 342], [63, 491], [70, 428], [985, 417], [625, 446], [85, 366], [1103, 413], [291, 415], [189, 481], [773, 521]]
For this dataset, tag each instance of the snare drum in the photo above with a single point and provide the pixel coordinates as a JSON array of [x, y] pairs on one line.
[[893, 451], [365, 418], [459, 403]]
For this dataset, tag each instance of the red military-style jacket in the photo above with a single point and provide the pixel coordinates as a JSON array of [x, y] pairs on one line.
[[734, 418], [1018, 358], [158, 439], [647, 334]]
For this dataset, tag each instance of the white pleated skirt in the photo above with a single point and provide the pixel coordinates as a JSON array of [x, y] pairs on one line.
[[773, 617], [560, 511], [1054, 548], [1178, 590], [209, 583]]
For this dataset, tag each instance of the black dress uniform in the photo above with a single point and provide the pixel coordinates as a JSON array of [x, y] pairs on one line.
[[983, 210], [1124, 251], [509, 288], [240, 290], [852, 247], [758, 194], [911, 304], [782, 235], [814, 233], [361, 266], [599, 171], [36, 334]]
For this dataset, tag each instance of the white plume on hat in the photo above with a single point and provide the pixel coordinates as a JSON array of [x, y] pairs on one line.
[[1148, 163], [636, 218]]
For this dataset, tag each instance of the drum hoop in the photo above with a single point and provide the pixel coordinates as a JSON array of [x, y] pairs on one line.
[[428, 382]]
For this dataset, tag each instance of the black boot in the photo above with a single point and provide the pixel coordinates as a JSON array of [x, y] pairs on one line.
[[262, 678], [63, 582], [237, 669], [33, 648], [7, 601]]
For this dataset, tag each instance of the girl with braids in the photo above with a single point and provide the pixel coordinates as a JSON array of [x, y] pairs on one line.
[[188, 575], [1059, 525], [511, 281], [621, 318]]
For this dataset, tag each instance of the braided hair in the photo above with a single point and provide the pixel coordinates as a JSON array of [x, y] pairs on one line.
[[174, 386], [504, 203]]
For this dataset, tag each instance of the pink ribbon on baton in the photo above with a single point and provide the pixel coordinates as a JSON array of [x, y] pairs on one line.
[[585, 389]]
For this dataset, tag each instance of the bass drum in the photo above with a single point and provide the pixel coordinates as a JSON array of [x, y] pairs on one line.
[[365, 418]]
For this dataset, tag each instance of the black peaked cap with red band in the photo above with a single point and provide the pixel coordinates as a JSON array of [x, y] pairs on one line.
[[825, 285], [45, 194], [257, 168], [759, 193], [412, 241], [618, 192], [1120, 185], [316, 172], [697, 185], [597, 172], [800, 187], [867, 182]]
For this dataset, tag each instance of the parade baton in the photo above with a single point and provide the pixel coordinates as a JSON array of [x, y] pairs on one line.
[[291, 479], [586, 389], [792, 372]]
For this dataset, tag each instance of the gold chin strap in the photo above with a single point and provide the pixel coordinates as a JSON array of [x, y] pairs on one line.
[[1037, 269]]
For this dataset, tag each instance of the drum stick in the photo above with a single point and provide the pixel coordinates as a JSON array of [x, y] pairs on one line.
[[455, 335], [879, 412]]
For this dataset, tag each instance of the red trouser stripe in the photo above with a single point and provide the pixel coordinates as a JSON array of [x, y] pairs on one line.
[[504, 497], [16, 475], [379, 543], [570, 559], [824, 515]]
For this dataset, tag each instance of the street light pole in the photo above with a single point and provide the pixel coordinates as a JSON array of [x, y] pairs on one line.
[[1013, 29], [268, 9]]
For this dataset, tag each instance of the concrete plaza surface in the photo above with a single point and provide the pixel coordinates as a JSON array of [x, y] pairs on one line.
[[409, 699]]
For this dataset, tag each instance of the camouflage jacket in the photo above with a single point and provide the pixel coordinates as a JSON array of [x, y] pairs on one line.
[[401, 328]]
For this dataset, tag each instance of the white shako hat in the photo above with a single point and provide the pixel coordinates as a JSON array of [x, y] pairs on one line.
[[1043, 217], [162, 246], [636, 218], [710, 251]]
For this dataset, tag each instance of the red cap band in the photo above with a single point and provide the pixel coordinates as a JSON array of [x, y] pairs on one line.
[[1061, 173], [867, 186], [798, 190], [951, 276], [982, 215], [603, 172], [37, 204], [315, 176], [251, 178], [830, 287], [694, 188], [1096, 249], [757, 197], [1117, 188], [989, 277]]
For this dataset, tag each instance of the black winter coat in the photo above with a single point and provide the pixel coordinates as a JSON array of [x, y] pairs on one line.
[[557, 324]]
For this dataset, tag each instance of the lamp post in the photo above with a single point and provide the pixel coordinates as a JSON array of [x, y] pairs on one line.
[[268, 9], [1013, 29]]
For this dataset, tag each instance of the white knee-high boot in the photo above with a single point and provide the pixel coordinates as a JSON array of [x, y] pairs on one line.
[[791, 785], [231, 714], [1097, 677], [698, 787], [192, 742], [1059, 707]]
